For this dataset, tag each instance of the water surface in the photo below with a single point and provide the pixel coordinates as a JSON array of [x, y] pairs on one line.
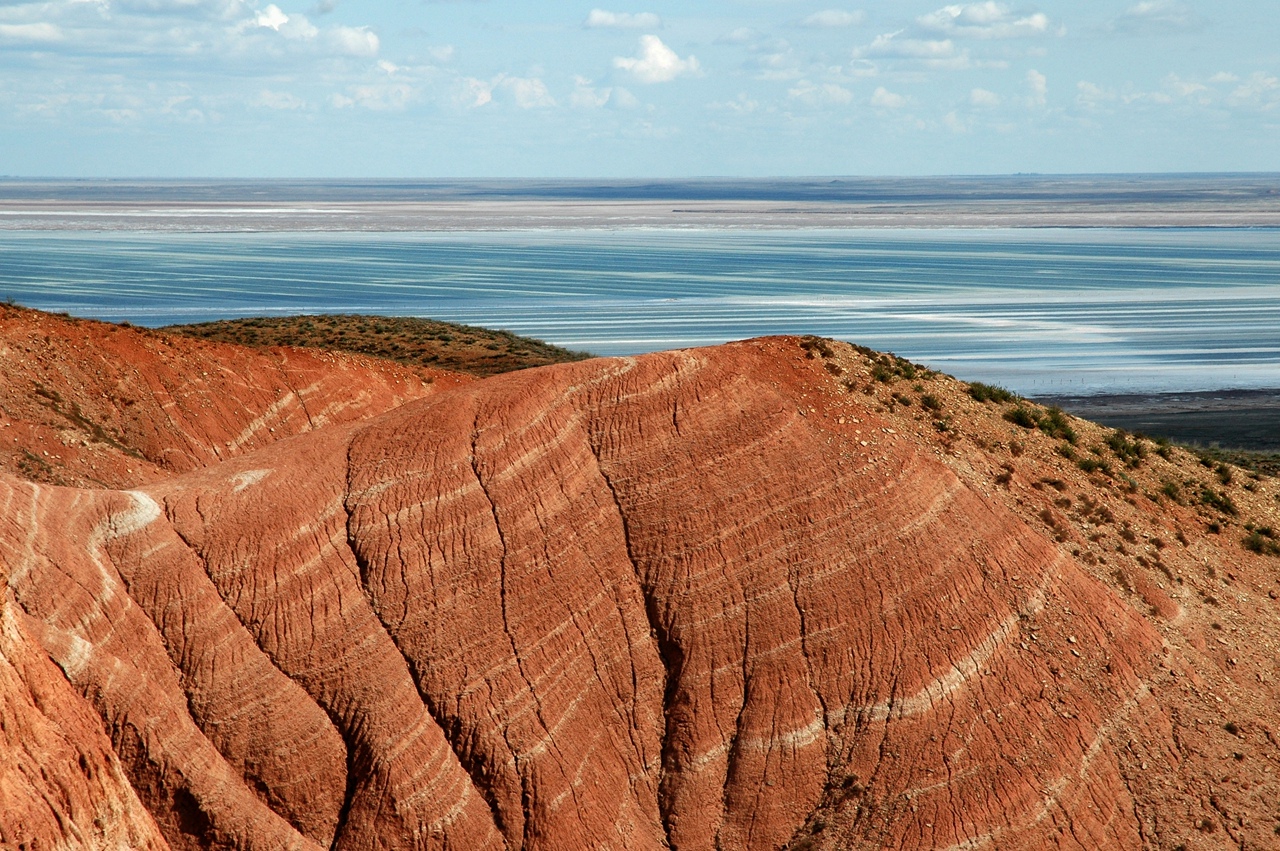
[[1038, 311]]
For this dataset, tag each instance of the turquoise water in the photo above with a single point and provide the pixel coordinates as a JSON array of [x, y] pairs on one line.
[[1038, 311]]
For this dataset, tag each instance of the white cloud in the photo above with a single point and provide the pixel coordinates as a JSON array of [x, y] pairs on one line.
[[268, 99], [379, 97], [775, 62], [882, 98], [656, 63], [1091, 95], [741, 35], [587, 96], [1258, 89], [984, 20], [528, 92], [293, 27], [524, 92], [623, 99], [475, 93], [892, 47], [932, 53], [1155, 17], [820, 94], [741, 104], [984, 99], [39, 33], [353, 41], [1185, 88], [832, 18], [1224, 77], [271, 18], [1039, 86], [600, 19]]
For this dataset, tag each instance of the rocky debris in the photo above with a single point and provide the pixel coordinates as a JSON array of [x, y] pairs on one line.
[[780, 593]]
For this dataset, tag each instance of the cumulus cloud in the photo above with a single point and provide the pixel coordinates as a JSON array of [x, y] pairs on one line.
[[1039, 86], [984, 20], [741, 35], [295, 27], [984, 99], [823, 94], [742, 105], [588, 96], [891, 47], [527, 92], [600, 19], [656, 63], [475, 93], [35, 33], [1185, 88], [832, 19], [931, 53], [524, 92], [882, 98], [955, 123], [1091, 95], [340, 40], [1157, 17], [353, 41], [775, 61], [267, 99], [378, 97], [1259, 87]]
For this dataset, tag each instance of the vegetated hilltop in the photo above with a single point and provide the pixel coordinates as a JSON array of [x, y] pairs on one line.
[[778, 593], [406, 339]]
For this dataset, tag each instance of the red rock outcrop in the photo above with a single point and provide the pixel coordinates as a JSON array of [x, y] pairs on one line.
[[691, 600]]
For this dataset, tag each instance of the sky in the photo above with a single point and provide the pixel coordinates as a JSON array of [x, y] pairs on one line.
[[752, 88]]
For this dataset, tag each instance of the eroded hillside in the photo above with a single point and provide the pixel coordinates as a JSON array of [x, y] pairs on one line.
[[775, 593], [90, 404]]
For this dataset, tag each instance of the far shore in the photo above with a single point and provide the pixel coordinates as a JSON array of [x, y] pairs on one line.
[[1227, 419], [1014, 201], [487, 215]]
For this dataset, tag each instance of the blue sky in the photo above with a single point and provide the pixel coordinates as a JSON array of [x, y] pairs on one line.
[[389, 88]]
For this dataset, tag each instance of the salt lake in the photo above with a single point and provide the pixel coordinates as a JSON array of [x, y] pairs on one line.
[[1036, 310]]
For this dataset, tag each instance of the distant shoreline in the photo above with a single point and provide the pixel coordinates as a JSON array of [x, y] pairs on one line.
[[1109, 201]]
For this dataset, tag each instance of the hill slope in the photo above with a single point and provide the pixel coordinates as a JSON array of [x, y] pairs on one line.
[[91, 404], [781, 592]]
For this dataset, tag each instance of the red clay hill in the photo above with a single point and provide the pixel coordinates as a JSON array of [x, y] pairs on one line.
[[783, 593]]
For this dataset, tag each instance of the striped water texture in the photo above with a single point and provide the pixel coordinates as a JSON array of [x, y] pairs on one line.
[[1039, 311]]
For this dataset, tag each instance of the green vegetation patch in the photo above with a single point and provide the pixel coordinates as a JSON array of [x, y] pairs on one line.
[[990, 393], [1261, 540], [1052, 421], [403, 339]]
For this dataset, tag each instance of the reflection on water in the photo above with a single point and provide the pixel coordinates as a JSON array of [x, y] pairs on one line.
[[1037, 311]]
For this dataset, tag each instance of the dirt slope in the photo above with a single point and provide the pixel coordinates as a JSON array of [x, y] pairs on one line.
[[775, 593], [91, 404]]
